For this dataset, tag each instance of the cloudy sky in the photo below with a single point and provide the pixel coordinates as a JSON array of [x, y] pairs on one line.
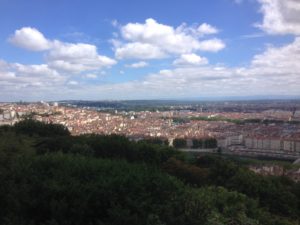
[[142, 49]]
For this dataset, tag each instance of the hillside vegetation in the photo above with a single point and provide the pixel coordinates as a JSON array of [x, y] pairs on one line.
[[51, 178]]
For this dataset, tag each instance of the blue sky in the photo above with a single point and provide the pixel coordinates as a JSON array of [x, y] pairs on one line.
[[52, 50]]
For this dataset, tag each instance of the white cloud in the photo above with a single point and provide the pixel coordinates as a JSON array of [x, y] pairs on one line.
[[66, 66], [62, 56], [91, 76], [281, 61], [138, 64], [7, 76], [148, 32], [77, 57], [212, 45], [38, 70], [73, 83], [30, 39], [4, 65], [18, 76], [161, 40], [280, 16], [34, 82], [139, 51], [205, 28], [53, 78], [275, 71], [190, 60], [70, 51]]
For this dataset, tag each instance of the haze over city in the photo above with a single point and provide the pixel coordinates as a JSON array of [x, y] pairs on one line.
[[93, 50]]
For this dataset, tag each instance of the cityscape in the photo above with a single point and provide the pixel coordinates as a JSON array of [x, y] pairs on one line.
[[143, 112], [271, 128]]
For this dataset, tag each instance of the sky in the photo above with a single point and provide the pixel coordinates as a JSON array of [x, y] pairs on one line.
[[142, 49]]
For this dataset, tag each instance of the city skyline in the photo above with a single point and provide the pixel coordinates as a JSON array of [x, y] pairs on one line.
[[55, 50]]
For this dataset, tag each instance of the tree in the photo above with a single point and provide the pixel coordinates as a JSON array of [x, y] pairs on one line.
[[179, 143], [32, 127]]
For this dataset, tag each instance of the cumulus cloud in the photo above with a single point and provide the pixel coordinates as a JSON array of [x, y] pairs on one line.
[[62, 61], [62, 56], [211, 45], [77, 58], [33, 69], [72, 51], [138, 64], [34, 82], [91, 76], [190, 60], [205, 28], [52, 78], [139, 50], [30, 39], [280, 61], [280, 16], [18, 76], [161, 40], [275, 71]]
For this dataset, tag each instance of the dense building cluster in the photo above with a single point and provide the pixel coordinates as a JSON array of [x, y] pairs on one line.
[[248, 138], [266, 139]]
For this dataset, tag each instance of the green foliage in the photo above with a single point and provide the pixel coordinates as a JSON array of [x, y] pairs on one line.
[[179, 143], [205, 143], [108, 146], [77, 190], [81, 149], [156, 141], [180, 120], [49, 177], [13, 146], [33, 127], [278, 194], [65, 189], [5, 128], [230, 207], [189, 173]]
